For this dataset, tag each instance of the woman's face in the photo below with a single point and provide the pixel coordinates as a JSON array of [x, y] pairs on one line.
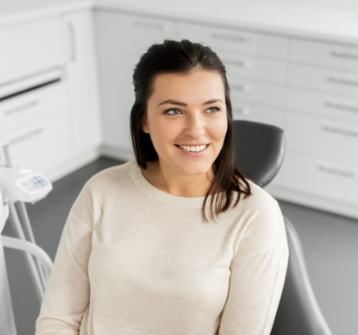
[[186, 120]]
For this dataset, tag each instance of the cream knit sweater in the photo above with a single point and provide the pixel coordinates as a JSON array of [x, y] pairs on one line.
[[134, 260]]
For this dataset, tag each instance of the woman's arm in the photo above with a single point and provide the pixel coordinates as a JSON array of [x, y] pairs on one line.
[[67, 293], [258, 273]]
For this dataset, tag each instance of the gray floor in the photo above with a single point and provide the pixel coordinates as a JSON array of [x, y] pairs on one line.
[[330, 245]]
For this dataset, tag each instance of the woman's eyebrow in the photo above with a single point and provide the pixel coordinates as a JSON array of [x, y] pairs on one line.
[[175, 102]]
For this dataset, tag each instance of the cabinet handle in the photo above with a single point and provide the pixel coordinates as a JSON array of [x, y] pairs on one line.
[[337, 130], [342, 81], [336, 171], [233, 38], [21, 108], [25, 136], [241, 87], [334, 105], [242, 111], [73, 47], [345, 55], [155, 25], [239, 63]]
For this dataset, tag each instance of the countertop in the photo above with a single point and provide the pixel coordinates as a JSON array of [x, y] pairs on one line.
[[323, 19]]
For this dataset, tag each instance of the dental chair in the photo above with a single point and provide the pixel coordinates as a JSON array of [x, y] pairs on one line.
[[7, 319], [259, 155]]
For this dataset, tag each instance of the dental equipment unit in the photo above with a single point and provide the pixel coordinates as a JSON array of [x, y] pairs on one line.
[[17, 187]]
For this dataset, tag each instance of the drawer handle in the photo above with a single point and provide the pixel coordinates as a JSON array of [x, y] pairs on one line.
[[21, 108], [155, 25], [339, 54], [242, 111], [25, 136], [336, 171], [242, 88], [341, 106], [341, 131], [341, 81], [73, 47], [240, 63], [227, 37]]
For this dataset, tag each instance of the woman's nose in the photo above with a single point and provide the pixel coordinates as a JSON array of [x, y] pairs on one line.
[[195, 125]]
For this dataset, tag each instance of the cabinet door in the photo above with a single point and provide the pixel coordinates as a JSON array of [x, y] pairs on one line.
[[121, 40], [241, 41], [28, 48], [82, 81], [45, 95]]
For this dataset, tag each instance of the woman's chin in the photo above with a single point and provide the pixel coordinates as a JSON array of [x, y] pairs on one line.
[[196, 169]]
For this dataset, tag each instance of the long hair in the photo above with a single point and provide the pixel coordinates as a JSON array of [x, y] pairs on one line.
[[180, 57]]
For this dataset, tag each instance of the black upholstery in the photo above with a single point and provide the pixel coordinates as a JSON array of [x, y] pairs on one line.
[[298, 312], [259, 150], [259, 156]]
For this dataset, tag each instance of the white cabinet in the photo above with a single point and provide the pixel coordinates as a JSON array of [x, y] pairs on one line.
[[34, 119], [38, 103], [323, 104], [121, 40], [234, 40], [321, 182], [30, 47], [321, 165], [49, 105], [324, 53], [82, 84], [323, 79]]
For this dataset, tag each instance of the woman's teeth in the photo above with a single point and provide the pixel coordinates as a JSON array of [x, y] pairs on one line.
[[193, 148]]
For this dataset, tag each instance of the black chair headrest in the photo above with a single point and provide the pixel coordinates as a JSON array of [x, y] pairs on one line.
[[259, 150]]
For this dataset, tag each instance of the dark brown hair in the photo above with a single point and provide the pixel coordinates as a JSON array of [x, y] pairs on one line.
[[182, 56]]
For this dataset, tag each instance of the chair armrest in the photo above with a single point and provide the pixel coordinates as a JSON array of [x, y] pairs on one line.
[[29, 247]]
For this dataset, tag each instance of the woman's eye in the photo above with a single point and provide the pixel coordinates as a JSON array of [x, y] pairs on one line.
[[213, 109], [171, 111]]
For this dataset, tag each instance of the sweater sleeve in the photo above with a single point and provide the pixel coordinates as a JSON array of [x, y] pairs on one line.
[[67, 293], [258, 273]]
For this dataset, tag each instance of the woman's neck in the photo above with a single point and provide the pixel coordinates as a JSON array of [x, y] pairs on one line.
[[184, 186]]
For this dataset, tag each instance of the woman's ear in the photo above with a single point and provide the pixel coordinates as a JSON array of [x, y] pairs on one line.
[[145, 127]]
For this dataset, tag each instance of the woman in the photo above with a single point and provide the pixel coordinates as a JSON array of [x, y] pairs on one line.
[[175, 241]]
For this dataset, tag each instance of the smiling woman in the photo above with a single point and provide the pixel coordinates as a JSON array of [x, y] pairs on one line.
[[187, 132], [183, 103], [139, 254]]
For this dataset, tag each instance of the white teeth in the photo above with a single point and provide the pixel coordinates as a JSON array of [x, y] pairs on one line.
[[193, 148]]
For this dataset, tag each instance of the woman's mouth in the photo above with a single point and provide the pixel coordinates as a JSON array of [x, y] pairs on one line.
[[193, 150]]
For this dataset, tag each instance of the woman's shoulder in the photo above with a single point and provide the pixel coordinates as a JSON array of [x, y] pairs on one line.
[[259, 197], [261, 222], [264, 209], [111, 176], [260, 206]]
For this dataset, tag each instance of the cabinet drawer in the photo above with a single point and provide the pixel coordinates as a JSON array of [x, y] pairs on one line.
[[35, 104], [245, 110], [241, 65], [41, 146], [30, 47], [225, 39], [131, 32], [320, 177], [323, 79], [256, 91], [337, 56], [315, 103], [323, 137]]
